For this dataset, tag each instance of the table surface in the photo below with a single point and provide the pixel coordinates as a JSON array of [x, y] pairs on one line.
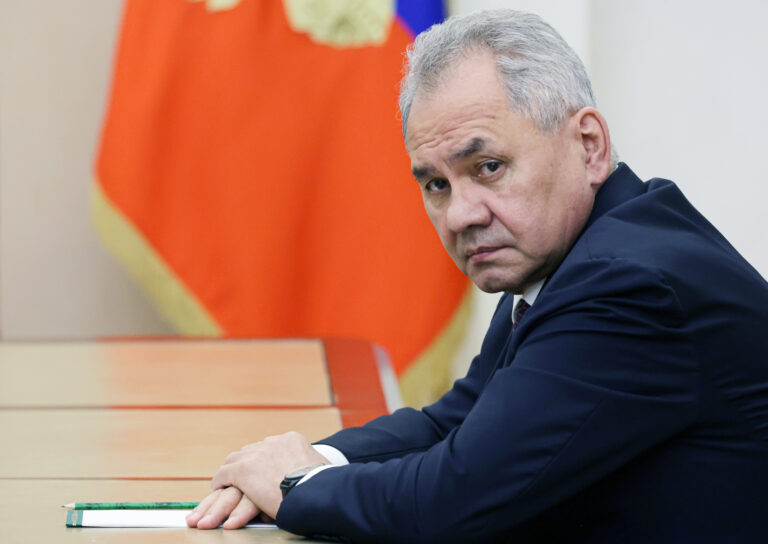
[[163, 373], [142, 443], [30, 512], [153, 420]]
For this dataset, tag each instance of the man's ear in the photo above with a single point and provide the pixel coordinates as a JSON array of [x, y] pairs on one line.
[[596, 141]]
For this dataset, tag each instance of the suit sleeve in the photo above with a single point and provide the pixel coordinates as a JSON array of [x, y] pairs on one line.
[[408, 430], [602, 372]]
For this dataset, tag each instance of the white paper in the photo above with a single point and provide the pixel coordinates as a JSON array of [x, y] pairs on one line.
[[138, 518]]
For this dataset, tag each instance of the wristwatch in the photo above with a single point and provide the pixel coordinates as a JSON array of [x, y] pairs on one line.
[[292, 478]]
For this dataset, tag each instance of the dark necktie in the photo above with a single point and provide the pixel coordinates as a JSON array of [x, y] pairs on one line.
[[517, 313]]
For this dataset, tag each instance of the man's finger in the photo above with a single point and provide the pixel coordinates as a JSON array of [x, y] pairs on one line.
[[220, 509], [234, 456], [224, 477], [200, 510], [244, 512]]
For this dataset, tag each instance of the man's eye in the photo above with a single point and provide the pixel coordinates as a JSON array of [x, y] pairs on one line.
[[490, 167], [436, 185]]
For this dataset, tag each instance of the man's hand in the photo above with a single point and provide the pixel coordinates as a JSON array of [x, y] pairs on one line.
[[223, 504], [249, 481]]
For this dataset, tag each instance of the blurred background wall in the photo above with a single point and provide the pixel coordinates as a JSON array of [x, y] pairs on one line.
[[682, 84]]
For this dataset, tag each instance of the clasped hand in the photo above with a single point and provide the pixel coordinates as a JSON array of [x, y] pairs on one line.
[[248, 484]]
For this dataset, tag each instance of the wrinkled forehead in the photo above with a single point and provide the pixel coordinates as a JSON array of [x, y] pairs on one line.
[[471, 91], [456, 127]]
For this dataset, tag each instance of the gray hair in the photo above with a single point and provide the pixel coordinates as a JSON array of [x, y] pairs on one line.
[[545, 79]]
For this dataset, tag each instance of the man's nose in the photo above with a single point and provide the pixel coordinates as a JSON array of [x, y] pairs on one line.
[[466, 208]]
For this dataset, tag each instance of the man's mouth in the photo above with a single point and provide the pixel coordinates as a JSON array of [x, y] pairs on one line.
[[481, 253]]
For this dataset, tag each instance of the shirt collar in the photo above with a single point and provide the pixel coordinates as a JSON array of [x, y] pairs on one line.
[[530, 294]]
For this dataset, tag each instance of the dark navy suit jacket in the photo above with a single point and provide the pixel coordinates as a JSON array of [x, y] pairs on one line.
[[631, 404]]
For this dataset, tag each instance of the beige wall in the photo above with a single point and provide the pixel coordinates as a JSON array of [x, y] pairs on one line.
[[682, 83], [55, 279]]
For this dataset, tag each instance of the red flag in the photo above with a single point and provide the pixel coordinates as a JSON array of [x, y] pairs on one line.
[[253, 178]]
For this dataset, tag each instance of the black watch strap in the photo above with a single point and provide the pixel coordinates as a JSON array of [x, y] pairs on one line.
[[292, 478]]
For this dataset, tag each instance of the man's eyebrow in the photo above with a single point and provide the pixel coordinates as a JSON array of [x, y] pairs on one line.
[[421, 172], [477, 144]]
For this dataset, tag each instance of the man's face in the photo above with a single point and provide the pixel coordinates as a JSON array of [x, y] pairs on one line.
[[506, 200]]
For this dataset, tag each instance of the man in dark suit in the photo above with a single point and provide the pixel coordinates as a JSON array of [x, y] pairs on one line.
[[624, 398]]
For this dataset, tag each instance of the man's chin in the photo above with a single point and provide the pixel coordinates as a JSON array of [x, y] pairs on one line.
[[490, 283]]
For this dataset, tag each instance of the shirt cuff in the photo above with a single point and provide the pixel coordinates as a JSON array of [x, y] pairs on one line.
[[329, 452], [332, 454], [313, 472]]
